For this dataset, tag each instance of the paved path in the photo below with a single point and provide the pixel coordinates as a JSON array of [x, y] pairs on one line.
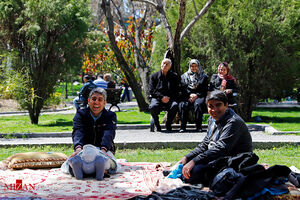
[[286, 104], [133, 138], [71, 110]]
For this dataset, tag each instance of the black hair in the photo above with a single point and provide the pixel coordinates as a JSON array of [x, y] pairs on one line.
[[217, 95]]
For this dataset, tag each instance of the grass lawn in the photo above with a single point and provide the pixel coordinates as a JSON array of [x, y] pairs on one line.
[[73, 92], [287, 119], [282, 119], [285, 155]]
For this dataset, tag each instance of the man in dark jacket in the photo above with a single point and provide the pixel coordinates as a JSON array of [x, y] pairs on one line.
[[163, 87], [94, 125], [227, 135], [82, 99]]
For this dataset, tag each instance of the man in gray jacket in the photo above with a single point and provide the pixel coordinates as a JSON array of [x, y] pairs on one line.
[[227, 135]]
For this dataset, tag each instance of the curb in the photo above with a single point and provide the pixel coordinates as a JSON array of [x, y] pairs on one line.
[[160, 145], [284, 132], [252, 127]]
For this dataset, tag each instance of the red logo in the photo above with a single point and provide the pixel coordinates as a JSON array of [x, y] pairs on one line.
[[19, 186]]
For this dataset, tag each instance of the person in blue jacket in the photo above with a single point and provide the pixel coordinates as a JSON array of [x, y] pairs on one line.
[[94, 125]]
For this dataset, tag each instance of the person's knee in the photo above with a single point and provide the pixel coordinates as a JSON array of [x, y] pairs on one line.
[[154, 108], [183, 106], [198, 174], [174, 107]]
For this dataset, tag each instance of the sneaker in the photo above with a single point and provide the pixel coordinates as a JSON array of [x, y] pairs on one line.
[[182, 130]]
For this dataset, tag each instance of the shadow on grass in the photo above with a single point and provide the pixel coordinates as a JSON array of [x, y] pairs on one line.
[[293, 109], [280, 119], [133, 122], [58, 123]]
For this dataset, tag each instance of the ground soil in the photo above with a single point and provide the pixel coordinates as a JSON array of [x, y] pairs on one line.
[[10, 105]]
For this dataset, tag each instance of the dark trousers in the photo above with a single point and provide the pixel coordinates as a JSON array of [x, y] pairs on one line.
[[125, 94], [198, 175], [156, 106], [198, 106]]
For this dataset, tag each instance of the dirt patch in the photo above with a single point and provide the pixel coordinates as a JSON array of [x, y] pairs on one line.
[[10, 105]]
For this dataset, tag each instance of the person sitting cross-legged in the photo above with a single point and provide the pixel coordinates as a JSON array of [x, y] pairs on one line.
[[227, 135], [164, 90]]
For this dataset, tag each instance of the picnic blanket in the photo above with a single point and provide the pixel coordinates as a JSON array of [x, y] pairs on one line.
[[133, 179]]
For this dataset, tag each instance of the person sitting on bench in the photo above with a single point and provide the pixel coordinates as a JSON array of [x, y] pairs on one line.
[[164, 90], [194, 85], [82, 99], [224, 81]]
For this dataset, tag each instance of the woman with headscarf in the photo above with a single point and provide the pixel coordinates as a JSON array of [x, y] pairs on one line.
[[194, 84], [224, 81]]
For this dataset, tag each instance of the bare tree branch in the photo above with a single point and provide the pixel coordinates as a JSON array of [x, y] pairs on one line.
[[180, 19], [160, 8], [128, 36], [195, 7], [148, 2], [168, 30], [121, 60], [200, 14]]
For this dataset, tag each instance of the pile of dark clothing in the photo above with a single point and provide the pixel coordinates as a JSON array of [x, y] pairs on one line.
[[182, 193], [238, 177]]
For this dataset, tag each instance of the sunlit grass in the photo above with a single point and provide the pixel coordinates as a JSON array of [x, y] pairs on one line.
[[286, 155], [283, 119], [287, 119]]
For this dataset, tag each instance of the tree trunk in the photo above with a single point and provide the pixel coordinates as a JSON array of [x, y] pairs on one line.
[[245, 106], [247, 98], [143, 106], [177, 42], [141, 65], [34, 109], [66, 90], [144, 75]]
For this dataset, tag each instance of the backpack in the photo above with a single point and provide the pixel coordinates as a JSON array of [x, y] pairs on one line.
[[224, 181]]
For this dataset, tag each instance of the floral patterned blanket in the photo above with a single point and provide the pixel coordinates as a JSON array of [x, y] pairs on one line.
[[132, 179]]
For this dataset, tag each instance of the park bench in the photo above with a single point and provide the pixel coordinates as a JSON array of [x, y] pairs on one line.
[[114, 97]]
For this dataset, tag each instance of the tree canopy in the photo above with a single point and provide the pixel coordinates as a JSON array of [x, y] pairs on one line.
[[259, 39], [47, 37]]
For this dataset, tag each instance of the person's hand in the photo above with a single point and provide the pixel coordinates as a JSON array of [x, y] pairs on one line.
[[186, 170], [193, 97], [228, 91], [183, 160], [165, 99], [76, 152]]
